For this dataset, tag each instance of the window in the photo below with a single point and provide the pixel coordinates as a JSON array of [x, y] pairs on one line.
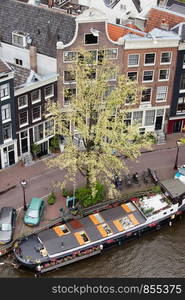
[[182, 82], [70, 56], [38, 133], [181, 105], [108, 91], [18, 62], [35, 96], [36, 113], [90, 39], [107, 228], [4, 91], [23, 118], [84, 237], [148, 75], [69, 76], [49, 128], [137, 117], [118, 21], [111, 53], [166, 57], [49, 91], [164, 75], [161, 93], [130, 98], [5, 113], [133, 60], [7, 131], [22, 101], [149, 117], [18, 39], [146, 95], [183, 62], [112, 73], [149, 58], [132, 75], [68, 95], [128, 118]]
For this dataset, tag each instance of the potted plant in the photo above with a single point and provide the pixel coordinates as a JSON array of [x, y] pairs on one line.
[[52, 198], [54, 144], [35, 149]]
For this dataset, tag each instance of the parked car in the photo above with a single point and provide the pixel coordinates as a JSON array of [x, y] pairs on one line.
[[34, 212], [7, 224]]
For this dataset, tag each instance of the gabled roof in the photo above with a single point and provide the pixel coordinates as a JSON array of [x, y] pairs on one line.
[[157, 17], [117, 31], [44, 25]]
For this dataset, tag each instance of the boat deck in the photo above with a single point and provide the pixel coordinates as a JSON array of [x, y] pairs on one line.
[[90, 229]]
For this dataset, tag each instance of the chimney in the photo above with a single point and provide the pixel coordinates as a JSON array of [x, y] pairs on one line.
[[50, 3], [33, 58]]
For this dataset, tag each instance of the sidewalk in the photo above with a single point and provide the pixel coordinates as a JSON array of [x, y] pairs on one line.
[[11, 176]]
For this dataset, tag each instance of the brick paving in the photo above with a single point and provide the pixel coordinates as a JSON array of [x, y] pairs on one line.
[[11, 177]]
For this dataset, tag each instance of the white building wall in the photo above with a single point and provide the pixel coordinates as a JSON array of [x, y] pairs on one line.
[[45, 64]]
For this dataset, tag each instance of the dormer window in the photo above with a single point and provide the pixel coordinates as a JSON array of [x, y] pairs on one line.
[[19, 39]]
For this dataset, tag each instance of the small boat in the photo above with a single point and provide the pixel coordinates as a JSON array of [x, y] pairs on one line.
[[68, 242]]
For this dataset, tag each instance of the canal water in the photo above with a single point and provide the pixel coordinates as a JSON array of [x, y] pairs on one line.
[[157, 254]]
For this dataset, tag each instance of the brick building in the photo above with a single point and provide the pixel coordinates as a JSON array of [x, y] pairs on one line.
[[150, 58]]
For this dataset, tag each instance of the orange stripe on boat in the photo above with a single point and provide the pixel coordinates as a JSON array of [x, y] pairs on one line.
[[58, 231], [133, 219], [79, 238], [118, 225], [94, 220], [126, 208], [102, 230]]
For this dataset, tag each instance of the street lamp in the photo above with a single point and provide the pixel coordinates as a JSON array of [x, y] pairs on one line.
[[177, 156], [23, 184]]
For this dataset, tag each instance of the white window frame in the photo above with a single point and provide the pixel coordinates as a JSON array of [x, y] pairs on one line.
[[146, 88], [18, 62], [23, 106], [10, 138], [67, 105], [24, 124], [43, 127], [150, 64], [39, 99], [132, 66], [6, 107], [183, 111], [152, 76], [38, 119], [17, 34], [70, 61], [168, 75], [133, 72], [52, 94], [154, 117], [159, 93], [111, 49], [5, 88], [166, 63]]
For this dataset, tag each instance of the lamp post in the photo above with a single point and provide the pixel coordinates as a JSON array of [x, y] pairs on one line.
[[177, 156], [23, 184]]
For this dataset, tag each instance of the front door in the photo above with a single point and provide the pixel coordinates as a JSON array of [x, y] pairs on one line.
[[158, 122], [177, 126], [24, 141], [11, 157]]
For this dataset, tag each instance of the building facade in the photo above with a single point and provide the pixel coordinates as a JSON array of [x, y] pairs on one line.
[[8, 142]]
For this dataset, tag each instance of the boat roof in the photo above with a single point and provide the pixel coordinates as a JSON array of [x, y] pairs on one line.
[[94, 228], [174, 187]]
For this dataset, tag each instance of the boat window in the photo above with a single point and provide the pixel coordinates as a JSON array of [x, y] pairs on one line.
[[107, 229], [64, 229], [99, 218], [84, 237]]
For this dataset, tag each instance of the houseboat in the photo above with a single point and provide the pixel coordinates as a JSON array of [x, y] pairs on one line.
[[77, 239]]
